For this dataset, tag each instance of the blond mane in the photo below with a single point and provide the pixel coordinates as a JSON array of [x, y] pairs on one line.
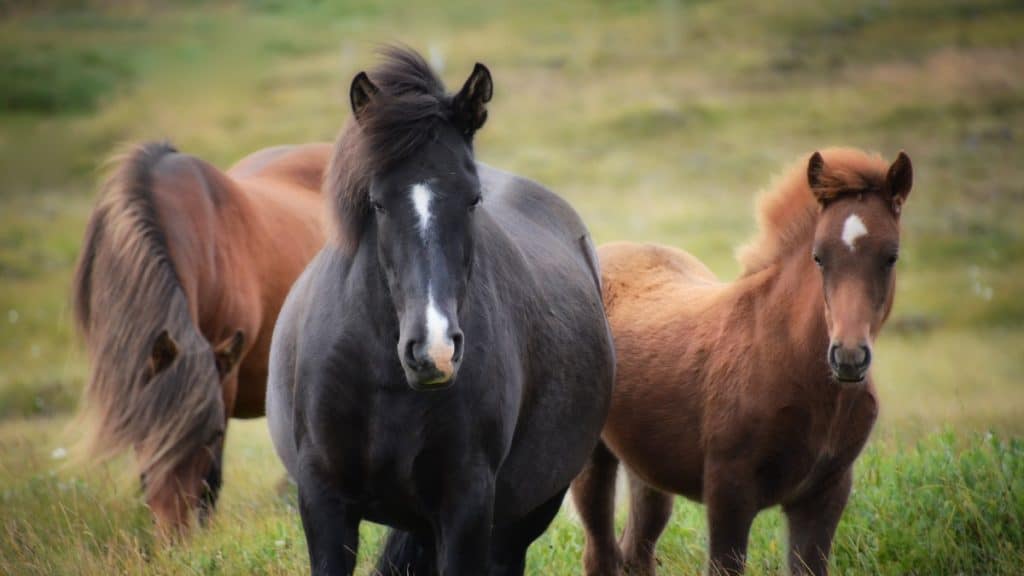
[[788, 213], [125, 290]]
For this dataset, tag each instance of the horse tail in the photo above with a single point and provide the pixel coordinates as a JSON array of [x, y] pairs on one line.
[[405, 554]]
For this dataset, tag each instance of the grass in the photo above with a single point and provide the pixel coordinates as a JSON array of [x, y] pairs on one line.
[[947, 504], [659, 121], [49, 79]]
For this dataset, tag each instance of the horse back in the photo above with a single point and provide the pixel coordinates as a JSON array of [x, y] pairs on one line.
[[301, 165], [632, 268]]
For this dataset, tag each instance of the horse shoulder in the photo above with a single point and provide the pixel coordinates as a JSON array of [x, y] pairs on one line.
[[319, 307], [291, 345], [296, 331], [283, 228]]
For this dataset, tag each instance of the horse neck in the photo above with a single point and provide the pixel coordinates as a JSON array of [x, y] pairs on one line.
[[790, 304], [206, 242]]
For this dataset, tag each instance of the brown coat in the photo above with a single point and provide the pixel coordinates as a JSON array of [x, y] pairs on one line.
[[754, 393]]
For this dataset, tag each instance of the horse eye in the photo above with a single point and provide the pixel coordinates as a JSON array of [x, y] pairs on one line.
[[890, 260], [377, 207], [476, 202], [817, 260]]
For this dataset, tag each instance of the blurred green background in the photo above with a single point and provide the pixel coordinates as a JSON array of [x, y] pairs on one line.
[[660, 121]]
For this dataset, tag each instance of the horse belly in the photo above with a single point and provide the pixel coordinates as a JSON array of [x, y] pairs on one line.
[[665, 453], [547, 454], [655, 423], [560, 421]]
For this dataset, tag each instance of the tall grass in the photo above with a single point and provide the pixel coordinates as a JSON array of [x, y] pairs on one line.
[[947, 504]]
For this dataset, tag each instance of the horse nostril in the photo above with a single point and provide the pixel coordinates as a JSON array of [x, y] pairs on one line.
[[843, 356], [457, 339], [865, 356], [411, 357], [849, 363]]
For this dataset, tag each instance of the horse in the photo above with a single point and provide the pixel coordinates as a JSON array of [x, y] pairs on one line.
[[754, 393], [181, 275], [443, 366]]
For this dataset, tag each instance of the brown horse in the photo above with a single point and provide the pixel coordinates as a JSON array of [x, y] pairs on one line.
[[754, 393], [182, 274]]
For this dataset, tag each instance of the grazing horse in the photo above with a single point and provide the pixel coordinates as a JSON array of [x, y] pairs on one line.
[[178, 285], [444, 365], [749, 394]]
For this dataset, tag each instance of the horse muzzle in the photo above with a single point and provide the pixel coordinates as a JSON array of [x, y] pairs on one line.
[[849, 364], [432, 365]]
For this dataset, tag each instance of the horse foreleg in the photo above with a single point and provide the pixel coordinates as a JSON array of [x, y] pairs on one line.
[[649, 513], [731, 509], [463, 539], [511, 542], [331, 527], [593, 493], [812, 523]]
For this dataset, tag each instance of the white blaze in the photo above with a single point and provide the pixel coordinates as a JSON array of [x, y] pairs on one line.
[[439, 346], [853, 228], [421, 196]]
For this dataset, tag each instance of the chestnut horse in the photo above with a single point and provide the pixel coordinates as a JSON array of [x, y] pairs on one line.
[[754, 393], [180, 279]]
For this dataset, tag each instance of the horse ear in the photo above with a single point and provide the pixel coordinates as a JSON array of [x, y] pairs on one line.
[[361, 93], [816, 176], [229, 352], [470, 112], [163, 353], [899, 179]]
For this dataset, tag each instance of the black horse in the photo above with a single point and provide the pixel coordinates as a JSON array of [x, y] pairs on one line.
[[444, 365]]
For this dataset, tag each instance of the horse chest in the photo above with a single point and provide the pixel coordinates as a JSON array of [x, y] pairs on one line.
[[391, 451], [375, 445], [824, 444]]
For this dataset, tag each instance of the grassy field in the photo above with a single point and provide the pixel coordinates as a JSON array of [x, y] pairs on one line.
[[659, 121]]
